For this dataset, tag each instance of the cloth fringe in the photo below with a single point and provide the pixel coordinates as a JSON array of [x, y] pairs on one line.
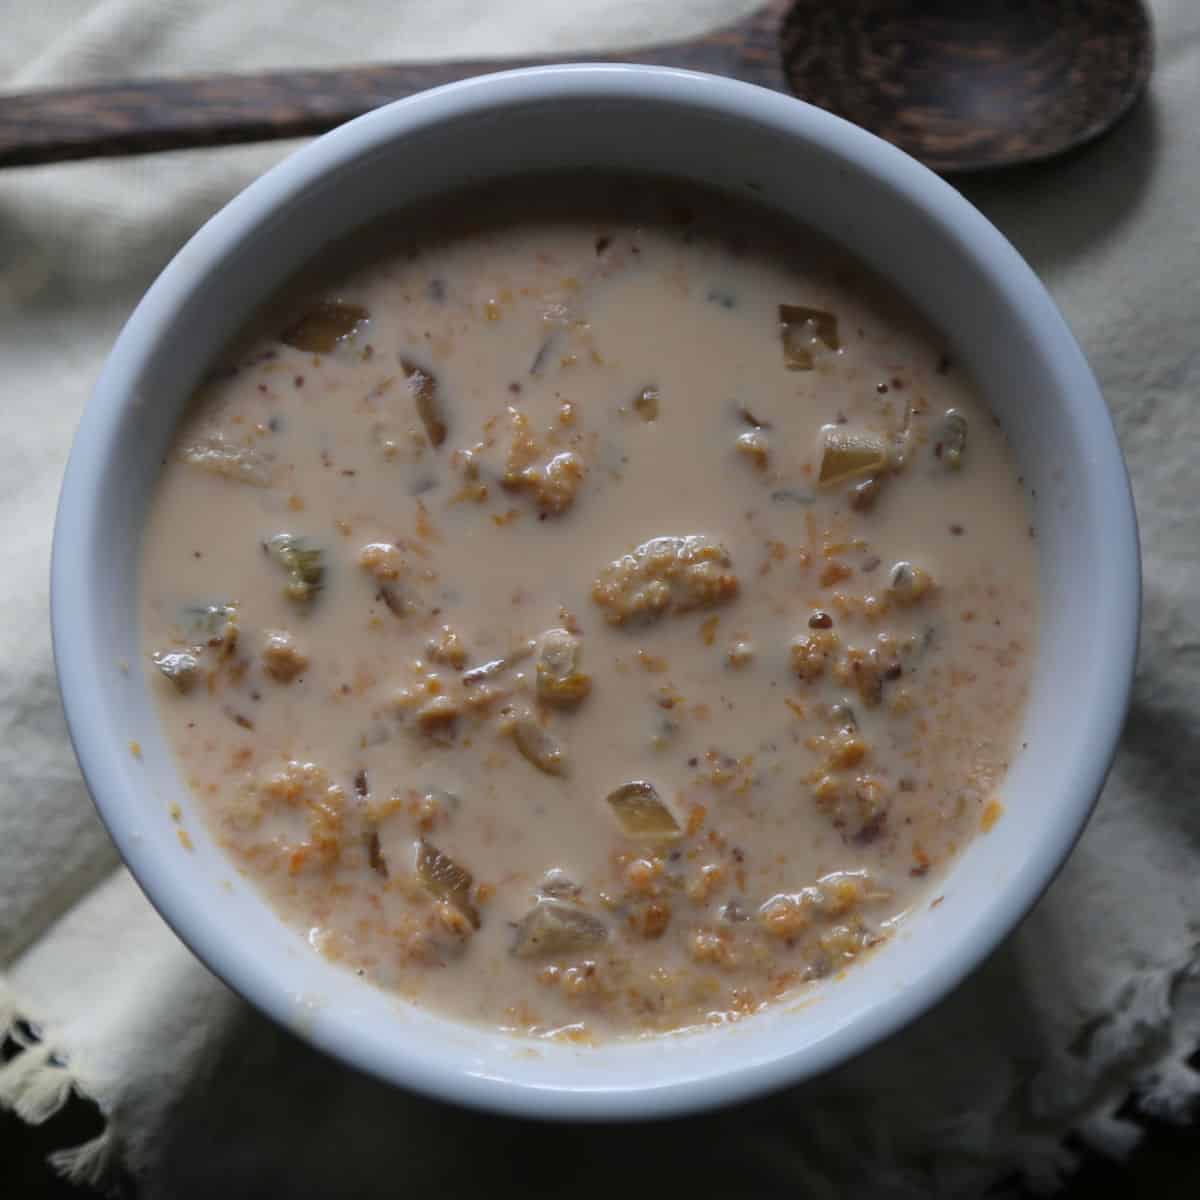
[[94, 1164], [1142, 1046], [35, 1085]]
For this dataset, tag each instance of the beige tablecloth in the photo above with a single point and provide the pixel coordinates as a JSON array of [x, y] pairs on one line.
[[1098, 994]]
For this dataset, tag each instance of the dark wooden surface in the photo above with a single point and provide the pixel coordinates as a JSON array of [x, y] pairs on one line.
[[960, 85]]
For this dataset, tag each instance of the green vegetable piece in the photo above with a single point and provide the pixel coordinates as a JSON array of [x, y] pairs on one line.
[[551, 927], [324, 325], [640, 812], [952, 439], [213, 625], [303, 564], [446, 880], [803, 330]]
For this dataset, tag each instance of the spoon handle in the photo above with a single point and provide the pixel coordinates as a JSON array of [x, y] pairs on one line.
[[144, 116]]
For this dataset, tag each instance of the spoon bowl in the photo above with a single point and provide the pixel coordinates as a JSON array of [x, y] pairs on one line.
[[964, 87]]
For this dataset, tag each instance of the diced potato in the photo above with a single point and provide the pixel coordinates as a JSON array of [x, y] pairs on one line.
[[804, 332], [551, 927], [559, 680], [640, 811], [846, 453], [324, 325]]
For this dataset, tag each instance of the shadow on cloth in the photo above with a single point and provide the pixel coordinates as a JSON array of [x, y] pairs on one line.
[[1057, 211], [273, 1117]]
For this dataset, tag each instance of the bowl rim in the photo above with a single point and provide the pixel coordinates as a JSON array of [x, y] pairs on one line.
[[85, 475]]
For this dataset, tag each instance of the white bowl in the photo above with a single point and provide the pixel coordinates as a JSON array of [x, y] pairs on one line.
[[897, 216]]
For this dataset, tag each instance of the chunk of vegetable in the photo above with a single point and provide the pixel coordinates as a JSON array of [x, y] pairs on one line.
[[559, 680], [803, 331], [425, 394], [646, 404], [215, 625], [952, 439], [846, 453], [755, 445], [324, 325], [640, 811], [537, 745], [241, 463], [180, 667], [551, 927], [446, 880], [306, 573], [907, 583]]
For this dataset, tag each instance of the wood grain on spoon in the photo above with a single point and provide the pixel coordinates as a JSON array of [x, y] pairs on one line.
[[960, 86], [141, 117]]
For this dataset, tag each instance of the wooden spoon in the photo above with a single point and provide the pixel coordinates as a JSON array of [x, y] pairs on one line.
[[960, 84]]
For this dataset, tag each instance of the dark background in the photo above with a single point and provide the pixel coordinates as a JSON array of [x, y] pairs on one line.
[[1165, 1166]]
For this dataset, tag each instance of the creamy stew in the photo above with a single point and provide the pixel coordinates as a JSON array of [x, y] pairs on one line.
[[590, 608]]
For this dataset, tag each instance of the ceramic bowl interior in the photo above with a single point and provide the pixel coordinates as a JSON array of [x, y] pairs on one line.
[[914, 230]]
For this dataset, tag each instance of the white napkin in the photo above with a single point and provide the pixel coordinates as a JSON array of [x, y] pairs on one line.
[[1096, 996]]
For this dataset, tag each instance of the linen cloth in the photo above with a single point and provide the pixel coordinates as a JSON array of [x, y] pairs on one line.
[[1095, 997]]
